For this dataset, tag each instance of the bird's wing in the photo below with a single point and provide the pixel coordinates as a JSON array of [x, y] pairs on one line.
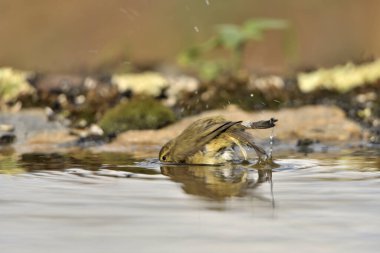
[[193, 140], [246, 139]]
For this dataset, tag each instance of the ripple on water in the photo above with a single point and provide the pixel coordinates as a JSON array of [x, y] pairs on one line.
[[97, 202]]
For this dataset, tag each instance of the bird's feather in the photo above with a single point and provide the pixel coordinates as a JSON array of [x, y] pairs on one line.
[[198, 136]]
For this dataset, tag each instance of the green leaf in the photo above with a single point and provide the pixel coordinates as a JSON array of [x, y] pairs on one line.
[[230, 36], [189, 56], [255, 28], [210, 70]]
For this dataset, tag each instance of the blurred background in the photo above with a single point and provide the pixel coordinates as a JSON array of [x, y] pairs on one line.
[[91, 90], [91, 36]]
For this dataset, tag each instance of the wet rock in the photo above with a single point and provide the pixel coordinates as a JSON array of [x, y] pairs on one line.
[[89, 137], [7, 138], [32, 130], [91, 140], [93, 130], [306, 142], [138, 113], [309, 146]]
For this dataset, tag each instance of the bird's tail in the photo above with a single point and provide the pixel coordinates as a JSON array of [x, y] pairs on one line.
[[262, 124]]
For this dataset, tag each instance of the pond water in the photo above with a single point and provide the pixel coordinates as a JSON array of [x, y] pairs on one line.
[[111, 202]]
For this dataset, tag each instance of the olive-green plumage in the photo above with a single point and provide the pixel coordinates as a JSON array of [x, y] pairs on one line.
[[212, 141]]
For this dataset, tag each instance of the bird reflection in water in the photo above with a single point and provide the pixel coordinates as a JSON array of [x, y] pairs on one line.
[[220, 182]]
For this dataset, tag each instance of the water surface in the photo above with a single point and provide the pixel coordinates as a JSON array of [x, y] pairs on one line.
[[111, 202]]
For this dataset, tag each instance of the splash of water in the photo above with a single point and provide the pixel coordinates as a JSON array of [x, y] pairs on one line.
[[271, 141]]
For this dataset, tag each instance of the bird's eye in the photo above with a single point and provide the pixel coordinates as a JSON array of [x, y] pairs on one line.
[[164, 158]]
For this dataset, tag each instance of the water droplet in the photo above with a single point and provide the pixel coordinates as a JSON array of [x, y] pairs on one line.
[[271, 141], [196, 29]]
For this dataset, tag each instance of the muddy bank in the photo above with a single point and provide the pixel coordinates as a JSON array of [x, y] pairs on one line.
[[318, 124], [309, 124]]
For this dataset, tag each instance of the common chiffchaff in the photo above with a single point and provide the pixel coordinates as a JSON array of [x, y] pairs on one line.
[[213, 140]]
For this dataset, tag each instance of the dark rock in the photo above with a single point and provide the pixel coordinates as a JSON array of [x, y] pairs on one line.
[[7, 138], [374, 135]]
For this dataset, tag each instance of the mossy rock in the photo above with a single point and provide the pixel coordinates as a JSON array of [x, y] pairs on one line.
[[138, 113]]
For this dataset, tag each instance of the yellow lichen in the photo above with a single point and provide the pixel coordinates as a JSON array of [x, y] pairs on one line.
[[340, 78], [13, 83]]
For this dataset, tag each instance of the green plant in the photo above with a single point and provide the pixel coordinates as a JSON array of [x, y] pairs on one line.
[[229, 38]]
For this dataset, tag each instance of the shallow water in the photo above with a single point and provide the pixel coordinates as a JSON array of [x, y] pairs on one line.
[[110, 202]]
